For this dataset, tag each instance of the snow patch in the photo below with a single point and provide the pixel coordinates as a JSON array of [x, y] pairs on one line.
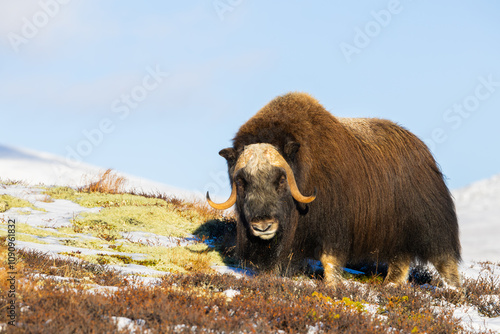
[[231, 293], [129, 325], [472, 320], [53, 249], [57, 213], [237, 272], [152, 239]]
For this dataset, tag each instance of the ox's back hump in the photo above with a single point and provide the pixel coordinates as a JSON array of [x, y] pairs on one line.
[[293, 116]]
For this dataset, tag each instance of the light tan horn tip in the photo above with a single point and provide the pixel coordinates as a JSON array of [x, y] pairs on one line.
[[210, 201], [222, 206]]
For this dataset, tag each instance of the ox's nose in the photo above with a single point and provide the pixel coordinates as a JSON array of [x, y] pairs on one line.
[[264, 228], [262, 225]]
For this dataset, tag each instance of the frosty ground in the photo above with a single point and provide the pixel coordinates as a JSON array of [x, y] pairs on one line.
[[107, 231]]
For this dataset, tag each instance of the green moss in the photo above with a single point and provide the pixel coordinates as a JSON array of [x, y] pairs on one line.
[[94, 199], [122, 213], [109, 223], [114, 259], [97, 227], [38, 231], [61, 192], [27, 229], [196, 257], [122, 259], [25, 232], [7, 202], [83, 243], [28, 238], [126, 212]]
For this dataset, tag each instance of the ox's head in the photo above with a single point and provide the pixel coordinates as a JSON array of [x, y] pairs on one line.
[[263, 188]]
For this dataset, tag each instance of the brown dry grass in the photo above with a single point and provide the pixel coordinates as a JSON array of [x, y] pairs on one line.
[[194, 302], [108, 182], [10, 182]]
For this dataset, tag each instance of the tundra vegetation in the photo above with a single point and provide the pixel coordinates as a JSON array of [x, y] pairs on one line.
[[80, 293]]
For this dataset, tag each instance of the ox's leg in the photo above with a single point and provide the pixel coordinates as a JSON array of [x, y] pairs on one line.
[[398, 270], [332, 265], [447, 267]]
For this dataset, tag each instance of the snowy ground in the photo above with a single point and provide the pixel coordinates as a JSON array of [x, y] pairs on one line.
[[59, 213], [470, 316]]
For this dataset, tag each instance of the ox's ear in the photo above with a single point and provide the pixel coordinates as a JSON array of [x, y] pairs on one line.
[[229, 154], [291, 149]]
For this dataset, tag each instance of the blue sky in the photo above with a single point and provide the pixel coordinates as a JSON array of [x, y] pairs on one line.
[[157, 88]]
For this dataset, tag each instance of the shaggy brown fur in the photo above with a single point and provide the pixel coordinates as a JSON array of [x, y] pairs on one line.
[[380, 194]]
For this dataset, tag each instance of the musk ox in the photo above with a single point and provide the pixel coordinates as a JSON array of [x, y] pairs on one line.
[[307, 184]]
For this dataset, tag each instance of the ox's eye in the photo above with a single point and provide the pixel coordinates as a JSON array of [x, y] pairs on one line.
[[282, 181], [240, 183]]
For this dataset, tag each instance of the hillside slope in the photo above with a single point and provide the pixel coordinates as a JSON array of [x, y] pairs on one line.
[[35, 167], [478, 209]]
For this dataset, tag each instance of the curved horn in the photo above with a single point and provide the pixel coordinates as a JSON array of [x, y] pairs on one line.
[[227, 204], [242, 161], [296, 194]]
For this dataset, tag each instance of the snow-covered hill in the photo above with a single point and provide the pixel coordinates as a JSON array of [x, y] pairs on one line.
[[478, 205], [478, 209], [36, 167]]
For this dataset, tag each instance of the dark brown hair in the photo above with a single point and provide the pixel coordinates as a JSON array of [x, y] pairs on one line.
[[380, 193]]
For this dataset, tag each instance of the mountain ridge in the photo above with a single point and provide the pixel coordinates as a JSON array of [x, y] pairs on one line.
[[35, 167]]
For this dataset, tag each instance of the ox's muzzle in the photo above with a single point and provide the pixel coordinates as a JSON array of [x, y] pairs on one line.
[[264, 228]]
